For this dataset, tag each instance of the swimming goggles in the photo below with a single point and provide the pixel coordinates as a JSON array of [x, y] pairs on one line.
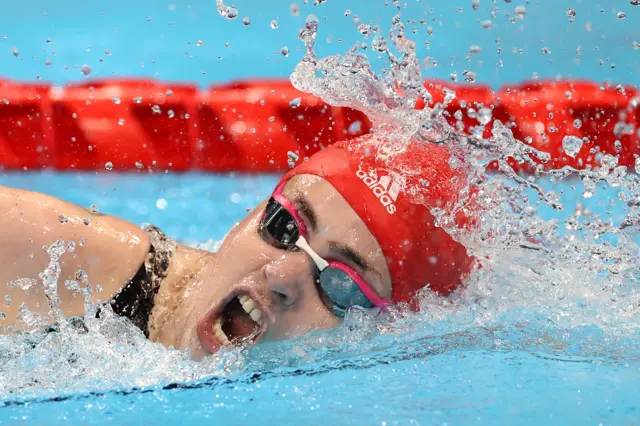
[[282, 227]]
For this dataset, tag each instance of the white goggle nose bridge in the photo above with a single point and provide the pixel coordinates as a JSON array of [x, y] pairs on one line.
[[303, 245]]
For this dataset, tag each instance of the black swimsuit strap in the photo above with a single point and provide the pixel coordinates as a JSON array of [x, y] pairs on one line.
[[135, 300]]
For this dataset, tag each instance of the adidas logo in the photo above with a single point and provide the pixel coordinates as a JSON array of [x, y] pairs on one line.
[[384, 188]]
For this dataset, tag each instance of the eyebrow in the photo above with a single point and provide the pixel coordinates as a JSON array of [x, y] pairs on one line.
[[306, 209]]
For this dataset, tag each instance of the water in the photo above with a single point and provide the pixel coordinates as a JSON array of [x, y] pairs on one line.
[[546, 332]]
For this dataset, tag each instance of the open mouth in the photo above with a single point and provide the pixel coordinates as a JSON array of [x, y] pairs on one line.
[[240, 322]]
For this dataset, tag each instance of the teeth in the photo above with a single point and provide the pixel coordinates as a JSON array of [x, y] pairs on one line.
[[217, 331], [250, 307], [256, 314]]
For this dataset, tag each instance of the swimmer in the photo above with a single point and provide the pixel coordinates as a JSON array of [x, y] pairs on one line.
[[344, 229]]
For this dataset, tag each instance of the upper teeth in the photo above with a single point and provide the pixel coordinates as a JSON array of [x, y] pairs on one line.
[[250, 307]]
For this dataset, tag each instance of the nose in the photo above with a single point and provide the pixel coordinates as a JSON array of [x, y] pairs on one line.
[[289, 277]]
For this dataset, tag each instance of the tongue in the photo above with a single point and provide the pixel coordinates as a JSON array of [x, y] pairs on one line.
[[237, 323]]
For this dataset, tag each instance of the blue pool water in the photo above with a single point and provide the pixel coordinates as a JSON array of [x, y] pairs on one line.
[[575, 361], [519, 370]]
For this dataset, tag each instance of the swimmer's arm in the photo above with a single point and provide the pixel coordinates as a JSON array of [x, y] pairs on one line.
[[110, 251]]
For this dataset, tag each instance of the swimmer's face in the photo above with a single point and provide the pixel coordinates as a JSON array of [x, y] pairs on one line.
[[279, 287]]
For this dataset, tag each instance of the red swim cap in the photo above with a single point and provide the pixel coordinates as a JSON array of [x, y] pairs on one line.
[[394, 198]]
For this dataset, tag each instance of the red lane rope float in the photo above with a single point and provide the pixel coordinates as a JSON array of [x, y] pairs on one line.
[[263, 126]]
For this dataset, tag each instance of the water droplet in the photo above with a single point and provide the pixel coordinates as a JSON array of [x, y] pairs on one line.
[[63, 219], [81, 276], [85, 69], [546, 51], [15, 51], [116, 100], [469, 76], [272, 119], [622, 15], [93, 208], [7, 300], [284, 50], [295, 103], [246, 21], [347, 12], [571, 145], [379, 43], [228, 12], [365, 30], [48, 62], [108, 165], [571, 13], [199, 43], [637, 165], [86, 221], [484, 115], [486, 24], [634, 2], [520, 12], [139, 165], [171, 113], [294, 9], [121, 122], [137, 99], [156, 109], [273, 24], [161, 203], [475, 49], [577, 123], [107, 52], [475, 4]]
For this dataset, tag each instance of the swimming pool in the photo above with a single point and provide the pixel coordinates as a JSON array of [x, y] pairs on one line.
[[572, 358]]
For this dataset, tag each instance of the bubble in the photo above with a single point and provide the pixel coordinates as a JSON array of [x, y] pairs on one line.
[[571, 145], [137, 100], [199, 43], [63, 219], [486, 24], [577, 123], [108, 165], [571, 13], [274, 24], [294, 9], [107, 52], [246, 21], [347, 12], [15, 51], [121, 122], [634, 2], [85, 69], [475, 50], [7, 300], [546, 51], [475, 4], [520, 12], [622, 15], [161, 203], [379, 43], [115, 100], [48, 62], [284, 50]]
